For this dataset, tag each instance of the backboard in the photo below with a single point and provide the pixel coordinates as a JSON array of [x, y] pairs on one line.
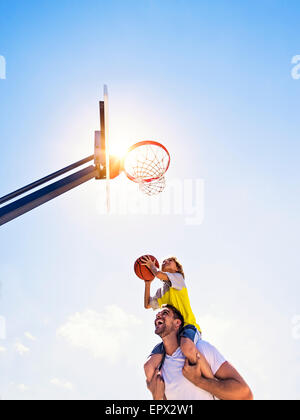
[[102, 160], [145, 163], [107, 154]]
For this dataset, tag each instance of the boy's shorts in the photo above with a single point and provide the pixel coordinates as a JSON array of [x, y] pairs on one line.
[[191, 332], [188, 331]]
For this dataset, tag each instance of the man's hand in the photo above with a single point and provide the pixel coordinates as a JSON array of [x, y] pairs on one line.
[[192, 373], [157, 386]]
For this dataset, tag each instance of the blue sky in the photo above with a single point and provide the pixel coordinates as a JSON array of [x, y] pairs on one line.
[[213, 82]]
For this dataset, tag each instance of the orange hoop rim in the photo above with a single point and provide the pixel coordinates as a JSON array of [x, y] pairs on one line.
[[145, 143]]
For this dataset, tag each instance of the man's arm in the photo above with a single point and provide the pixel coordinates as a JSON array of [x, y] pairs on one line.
[[227, 384], [157, 386]]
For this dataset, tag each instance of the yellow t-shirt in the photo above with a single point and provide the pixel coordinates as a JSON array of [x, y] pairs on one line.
[[177, 296]]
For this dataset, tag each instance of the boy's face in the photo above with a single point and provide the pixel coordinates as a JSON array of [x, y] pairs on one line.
[[169, 265]]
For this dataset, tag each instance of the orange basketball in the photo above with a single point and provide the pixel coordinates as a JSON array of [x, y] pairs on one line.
[[144, 272]]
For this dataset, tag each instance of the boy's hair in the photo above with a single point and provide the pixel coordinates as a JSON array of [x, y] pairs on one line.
[[178, 265], [176, 313]]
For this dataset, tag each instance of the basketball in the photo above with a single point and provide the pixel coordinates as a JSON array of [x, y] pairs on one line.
[[144, 272]]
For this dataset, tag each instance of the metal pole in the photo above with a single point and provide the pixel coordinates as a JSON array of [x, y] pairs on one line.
[[42, 181], [35, 199]]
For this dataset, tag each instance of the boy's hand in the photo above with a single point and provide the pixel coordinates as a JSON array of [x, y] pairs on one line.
[[151, 265], [148, 263]]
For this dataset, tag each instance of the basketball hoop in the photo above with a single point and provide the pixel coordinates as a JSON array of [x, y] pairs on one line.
[[146, 163], [153, 187]]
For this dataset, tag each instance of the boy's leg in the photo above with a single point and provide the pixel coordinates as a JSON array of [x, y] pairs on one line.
[[189, 336], [189, 349], [191, 352], [205, 368], [188, 339]]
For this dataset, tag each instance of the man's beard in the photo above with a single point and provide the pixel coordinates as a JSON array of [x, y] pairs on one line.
[[162, 331]]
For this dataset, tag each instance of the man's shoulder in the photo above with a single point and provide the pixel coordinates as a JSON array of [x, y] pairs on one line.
[[202, 344], [213, 356], [158, 349], [205, 347]]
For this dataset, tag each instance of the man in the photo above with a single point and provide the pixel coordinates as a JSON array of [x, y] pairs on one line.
[[180, 381]]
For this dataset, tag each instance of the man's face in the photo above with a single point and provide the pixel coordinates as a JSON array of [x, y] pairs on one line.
[[169, 265], [165, 322]]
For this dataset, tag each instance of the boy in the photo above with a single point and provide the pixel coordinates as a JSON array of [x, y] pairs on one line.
[[173, 292]]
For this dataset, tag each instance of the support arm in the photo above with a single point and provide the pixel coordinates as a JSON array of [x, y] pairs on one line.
[[37, 198]]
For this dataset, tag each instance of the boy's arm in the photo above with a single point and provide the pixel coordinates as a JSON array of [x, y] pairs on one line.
[[147, 295], [160, 275], [157, 273], [151, 302]]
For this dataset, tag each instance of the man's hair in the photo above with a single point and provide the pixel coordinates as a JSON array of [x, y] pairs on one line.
[[176, 313]]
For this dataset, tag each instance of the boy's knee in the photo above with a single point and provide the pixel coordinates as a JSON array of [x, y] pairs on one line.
[[187, 344], [189, 349]]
